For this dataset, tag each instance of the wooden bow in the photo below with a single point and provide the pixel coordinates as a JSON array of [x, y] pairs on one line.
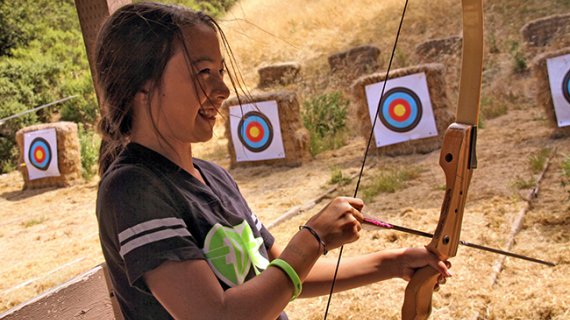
[[458, 159]]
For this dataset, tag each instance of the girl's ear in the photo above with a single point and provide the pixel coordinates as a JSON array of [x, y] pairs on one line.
[[143, 95]]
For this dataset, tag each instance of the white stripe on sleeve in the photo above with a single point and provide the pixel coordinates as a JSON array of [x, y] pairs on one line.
[[152, 237], [149, 225]]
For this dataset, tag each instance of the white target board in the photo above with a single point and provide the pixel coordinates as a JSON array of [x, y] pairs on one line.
[[559, 78], [40, 153], [405, 110], [256, 131]]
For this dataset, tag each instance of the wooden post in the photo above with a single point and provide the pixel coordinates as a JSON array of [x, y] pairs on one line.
[[91, 14]]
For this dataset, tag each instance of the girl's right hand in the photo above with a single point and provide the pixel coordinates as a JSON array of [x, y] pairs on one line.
[[339, 222]]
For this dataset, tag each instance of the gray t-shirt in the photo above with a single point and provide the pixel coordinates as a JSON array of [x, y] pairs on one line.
[[151, 211]]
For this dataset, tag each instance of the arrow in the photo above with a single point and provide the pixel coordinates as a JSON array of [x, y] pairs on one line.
[[382, 224]]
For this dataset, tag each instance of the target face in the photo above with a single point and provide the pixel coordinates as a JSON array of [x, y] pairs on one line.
[[559, 81], [401, 109], [404, 110], [566, 86], [255, 131], [40, 154]]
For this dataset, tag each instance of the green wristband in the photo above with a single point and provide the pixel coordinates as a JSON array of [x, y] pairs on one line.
[[292, 274]]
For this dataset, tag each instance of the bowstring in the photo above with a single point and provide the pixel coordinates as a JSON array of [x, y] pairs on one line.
[[368, 148]]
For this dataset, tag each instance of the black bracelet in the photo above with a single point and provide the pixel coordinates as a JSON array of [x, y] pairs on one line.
[[316, 235]]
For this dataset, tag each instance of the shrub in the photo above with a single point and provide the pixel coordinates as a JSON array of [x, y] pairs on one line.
[[89, 142], [325, 118]]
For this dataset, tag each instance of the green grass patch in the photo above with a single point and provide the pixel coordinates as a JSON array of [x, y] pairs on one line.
[[537, 160], [521, 183], [338, 178], [33, 222], [89, 143], [389, 181], [566, 167], [325, 118]]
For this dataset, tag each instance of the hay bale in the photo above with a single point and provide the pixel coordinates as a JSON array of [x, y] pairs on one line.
[[68, 156], [540, 32], [355, 62], [432, 50], [295, 135], [439, 100], [543, 93], [278, 74]]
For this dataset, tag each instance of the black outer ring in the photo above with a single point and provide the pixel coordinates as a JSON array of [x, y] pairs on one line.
[[30, 154], [565, 90], [418, 103], [242, 139]]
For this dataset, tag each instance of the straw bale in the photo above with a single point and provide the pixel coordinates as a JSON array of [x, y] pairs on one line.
[[278, 74], [295, 135], [432, 50], [68, 156], [355, 62], [543, 95], [435, 75], [540, 32]]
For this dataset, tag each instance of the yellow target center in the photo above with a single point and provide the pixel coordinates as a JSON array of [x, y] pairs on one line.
[[254, 132], [399, 110], [39, 154]]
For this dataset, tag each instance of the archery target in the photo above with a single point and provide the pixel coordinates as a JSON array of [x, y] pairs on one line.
[[405, 110], [559, 79], [256, 131], [401, 109], [40, 153]]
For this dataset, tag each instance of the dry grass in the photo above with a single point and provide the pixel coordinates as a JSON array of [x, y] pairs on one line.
[[41, 231]]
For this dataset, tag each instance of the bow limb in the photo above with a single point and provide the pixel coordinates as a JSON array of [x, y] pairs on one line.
[[457, 159]]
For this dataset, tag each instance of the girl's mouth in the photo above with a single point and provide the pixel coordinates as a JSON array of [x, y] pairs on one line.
[[209, 114]]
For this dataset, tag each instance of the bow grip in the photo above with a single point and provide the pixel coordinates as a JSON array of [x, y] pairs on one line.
[[417, 300]]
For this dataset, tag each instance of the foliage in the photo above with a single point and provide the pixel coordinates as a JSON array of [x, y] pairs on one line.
[[566, 167], [46, 63], [389, 181], [215, 8], [521, 183], [537, 160], [89, 142], [338, 178], [325, 118], [519, 61]]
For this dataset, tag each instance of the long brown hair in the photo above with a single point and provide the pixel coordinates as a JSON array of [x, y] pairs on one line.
[[133, 47]]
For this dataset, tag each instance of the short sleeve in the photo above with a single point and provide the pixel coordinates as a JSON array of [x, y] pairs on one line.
[[143, 223]]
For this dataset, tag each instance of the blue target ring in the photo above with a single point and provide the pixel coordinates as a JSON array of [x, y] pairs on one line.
[[566, 86], [40, 154], [401, 109], [255, 131]]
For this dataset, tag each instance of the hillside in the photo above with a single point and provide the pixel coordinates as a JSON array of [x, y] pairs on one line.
[[48, 236]]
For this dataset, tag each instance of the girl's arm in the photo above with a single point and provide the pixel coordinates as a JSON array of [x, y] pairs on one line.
[[366, 269], [190, 289]]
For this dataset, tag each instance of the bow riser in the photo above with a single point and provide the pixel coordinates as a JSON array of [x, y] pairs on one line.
[[455, 160]]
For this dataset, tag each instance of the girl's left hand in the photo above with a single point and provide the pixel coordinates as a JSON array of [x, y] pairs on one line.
[[411, 259]]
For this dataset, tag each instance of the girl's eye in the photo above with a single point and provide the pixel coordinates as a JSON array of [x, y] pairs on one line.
[[204, 71]]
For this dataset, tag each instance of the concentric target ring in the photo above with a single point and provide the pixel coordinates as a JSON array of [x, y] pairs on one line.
[[255, 131], [566, 86], [40, 154], [401, 109]]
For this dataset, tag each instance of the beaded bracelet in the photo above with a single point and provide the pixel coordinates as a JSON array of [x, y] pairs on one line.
[[316, 235], [292, 274]]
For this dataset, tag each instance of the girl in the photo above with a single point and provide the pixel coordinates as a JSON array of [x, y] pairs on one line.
[[179, 239]]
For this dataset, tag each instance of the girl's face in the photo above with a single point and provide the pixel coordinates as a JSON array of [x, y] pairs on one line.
[[185, 104]]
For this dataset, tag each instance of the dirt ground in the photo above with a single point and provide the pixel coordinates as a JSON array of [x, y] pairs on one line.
[[48, 236]]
